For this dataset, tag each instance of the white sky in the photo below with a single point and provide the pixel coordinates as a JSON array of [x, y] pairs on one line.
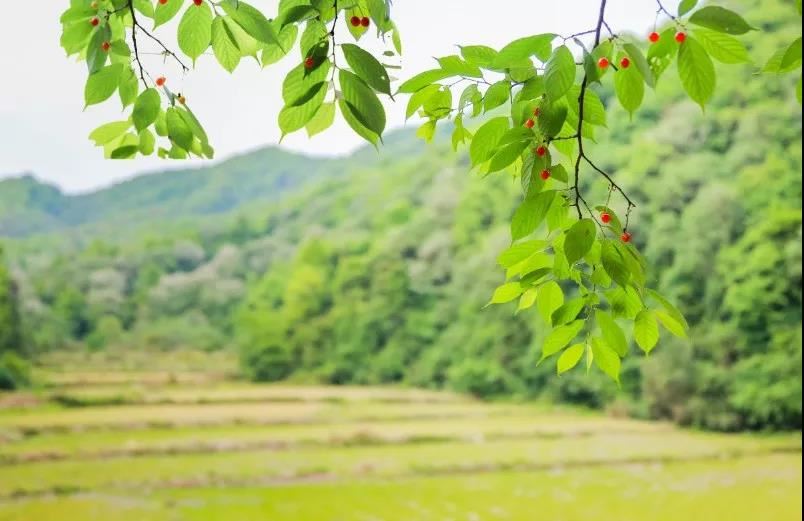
[[44, 131]]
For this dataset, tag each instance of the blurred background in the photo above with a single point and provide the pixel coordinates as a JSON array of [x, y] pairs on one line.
[[288, 335]]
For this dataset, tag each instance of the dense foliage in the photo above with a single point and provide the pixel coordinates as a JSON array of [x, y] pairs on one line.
[[375, 268], [578, 266]]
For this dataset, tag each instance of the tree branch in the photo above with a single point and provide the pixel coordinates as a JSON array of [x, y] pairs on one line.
[[601, 23]]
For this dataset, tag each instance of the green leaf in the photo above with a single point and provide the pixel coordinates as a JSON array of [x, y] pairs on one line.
[[272, 53], [614, 264], [668, 306], [129, 87], [422, 80], [486, 139], [551, 297], [792, 56], [646, 330], [96, 56], [559, 73], [195, 30], [101, 85], [251, 20], [322, 120], [606, 359], [108, 132], [568, 312], [354, 122], [515, 52], [720, 19], [640, 62], [559, 173], [363, 102], [507, 155], [686, 6], [506, 293], [420, 97], [458, 67], [527, 300], [165, 12], [570, 358], [629, 88], [479, 55], [497, 95], [146, 108], [530, 214], [519, 252], [178, 130], [722, 47], [661, 53], [295, 117], [670, 323], [774, 64], [124, 152], [147, 142], [145, 7], [299, 82], [614, 336], [579, 240], [224, 44], [194, 125], [367, 68], [560, 337], [696, 70], [552, 117], [427, 131]]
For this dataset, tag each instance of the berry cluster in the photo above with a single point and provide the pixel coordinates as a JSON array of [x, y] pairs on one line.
[[356, 21]]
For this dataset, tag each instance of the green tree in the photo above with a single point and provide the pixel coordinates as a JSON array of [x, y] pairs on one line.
[[10, 323], [531, 108]]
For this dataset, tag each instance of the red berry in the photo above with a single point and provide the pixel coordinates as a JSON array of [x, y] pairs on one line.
[[529, 123], [680, 37], [309, 63], [625, 63], [95, 21], [541, 150], [365, 21], [653, 37], [163, 2], [160, 81], [106, 46], [605, 217], [625, 237], [545, 175], [536, 112], [603, 62], [355, 21], [198, 2]]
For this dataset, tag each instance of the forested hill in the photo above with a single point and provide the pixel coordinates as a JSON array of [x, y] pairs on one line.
[[29, 207], [376, 268]]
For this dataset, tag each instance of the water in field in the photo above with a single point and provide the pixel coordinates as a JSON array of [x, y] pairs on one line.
[[157, 447]]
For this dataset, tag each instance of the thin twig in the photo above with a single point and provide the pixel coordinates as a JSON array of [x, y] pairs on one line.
[[134, 39]]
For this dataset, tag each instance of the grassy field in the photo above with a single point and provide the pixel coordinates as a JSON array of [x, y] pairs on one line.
[[149, 446]]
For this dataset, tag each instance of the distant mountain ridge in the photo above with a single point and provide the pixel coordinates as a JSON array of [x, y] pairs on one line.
[[29, 206]]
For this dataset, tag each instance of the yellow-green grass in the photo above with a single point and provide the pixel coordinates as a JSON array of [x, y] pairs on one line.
[[88, 367], [234, 392], [354, 462], [138, 416], [99, 443], [749, 489]]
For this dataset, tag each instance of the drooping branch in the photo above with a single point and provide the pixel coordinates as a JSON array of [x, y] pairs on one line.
[[135, 26], [582, 157], [134, 40]]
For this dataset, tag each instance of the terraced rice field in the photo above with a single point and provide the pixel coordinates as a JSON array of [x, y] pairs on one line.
[[155, 447]]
